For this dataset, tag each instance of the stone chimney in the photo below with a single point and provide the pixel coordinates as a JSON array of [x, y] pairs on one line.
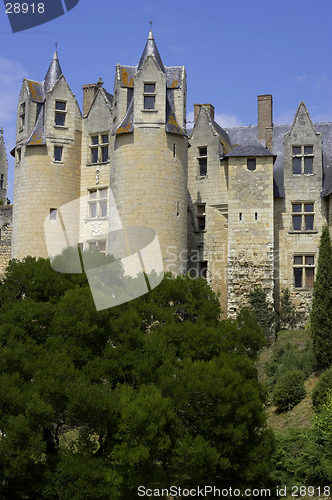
[[265, 120], [209, 108], [89, 92]]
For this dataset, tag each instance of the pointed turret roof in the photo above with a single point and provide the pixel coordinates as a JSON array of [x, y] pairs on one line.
[[53, 73], [151, 50]]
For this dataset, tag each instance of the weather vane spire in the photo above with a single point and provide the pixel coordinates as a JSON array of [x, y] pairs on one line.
[[151, 25]]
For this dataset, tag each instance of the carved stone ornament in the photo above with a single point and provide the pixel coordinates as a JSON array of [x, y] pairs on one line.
[[97, 175], [96, 228]]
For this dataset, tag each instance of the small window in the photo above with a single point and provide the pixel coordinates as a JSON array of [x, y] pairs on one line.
[[174, 150], [251, 163], [22, 115], [149, 88], [202, 166], [177, 208], [240, 216], [60, 113], [297, 166], [201, 216], [255, 215], [53, 213], [203, 266], [2, 181], [18, 151], [202, 151], [149, 100], [58, 153]]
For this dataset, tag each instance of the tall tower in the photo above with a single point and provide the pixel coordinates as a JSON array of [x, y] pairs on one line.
[[150, 152], [47, 158]]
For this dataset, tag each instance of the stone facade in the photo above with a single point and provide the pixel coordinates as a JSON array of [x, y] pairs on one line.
[[242, 206]]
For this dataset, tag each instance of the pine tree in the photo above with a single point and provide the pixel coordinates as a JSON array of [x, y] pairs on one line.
[[321, 314]]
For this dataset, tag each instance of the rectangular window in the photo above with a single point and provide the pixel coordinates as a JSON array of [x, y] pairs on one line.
[[99, 148], [58, 153], [304, 271], [97, 203], [251, 163], [22, 115], [303, 216], [201, 216], [149, 95], [2, 180], [302, 159], [53, 213], [202, 161], [60, 113]]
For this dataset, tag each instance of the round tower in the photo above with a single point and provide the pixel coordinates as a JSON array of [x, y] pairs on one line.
[[150, 152], [47, 158]]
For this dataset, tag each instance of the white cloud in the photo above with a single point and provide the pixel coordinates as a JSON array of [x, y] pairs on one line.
[[225, 120]]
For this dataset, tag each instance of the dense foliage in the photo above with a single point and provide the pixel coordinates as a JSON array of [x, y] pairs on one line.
[[93, 404], [321, 314], [322, 389], [289, 318], [264, 312], [289, 390]]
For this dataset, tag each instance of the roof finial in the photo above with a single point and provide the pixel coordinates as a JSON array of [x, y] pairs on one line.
[[150, 32]]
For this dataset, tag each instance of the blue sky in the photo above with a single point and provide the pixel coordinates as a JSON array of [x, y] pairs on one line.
[[233, 50]]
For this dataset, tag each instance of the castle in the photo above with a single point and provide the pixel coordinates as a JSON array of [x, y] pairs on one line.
[[240, 206]]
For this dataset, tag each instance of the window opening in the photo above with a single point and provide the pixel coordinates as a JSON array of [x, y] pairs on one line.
[[302, 159], [304, 271], [97, 203], [201, 216], [303, 216], [60, 113], [58, 153], [202, 161], [149, 95], [251, 163]]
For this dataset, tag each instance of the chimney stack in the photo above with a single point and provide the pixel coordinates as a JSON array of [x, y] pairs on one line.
[[89, 92], [265, 120], [209, 108]]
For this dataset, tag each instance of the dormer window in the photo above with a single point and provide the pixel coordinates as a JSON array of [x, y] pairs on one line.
[[60, 113], [202, 161], [302, 159], [251, 163], [99, 148], [149, 95]]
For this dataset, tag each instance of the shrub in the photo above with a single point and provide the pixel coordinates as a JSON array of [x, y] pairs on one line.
[[322, 388], [289, 390], [289, 317], [264, 312]]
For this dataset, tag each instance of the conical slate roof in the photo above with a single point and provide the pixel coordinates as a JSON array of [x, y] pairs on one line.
[[53, 73], [151, 50]]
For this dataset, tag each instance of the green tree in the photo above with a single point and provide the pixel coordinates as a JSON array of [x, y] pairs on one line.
[[289, 317], [92, 404], [264, 312], [321, 313]]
